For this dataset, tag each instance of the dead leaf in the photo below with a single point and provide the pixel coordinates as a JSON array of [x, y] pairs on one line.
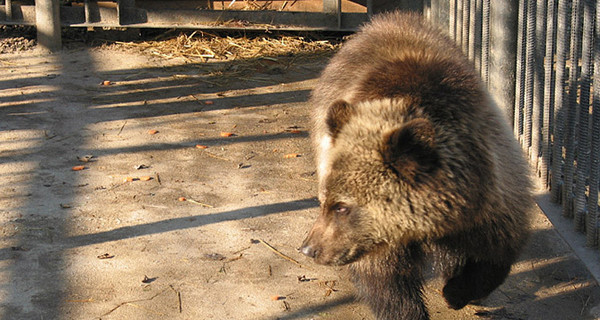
[[181, 199], [106, 256], [208, 102], [199, 146], [86, 158], [146, 178], [78, 168], [65, 206], [106, 83], [226, 134], [291, 155], [152, 131]]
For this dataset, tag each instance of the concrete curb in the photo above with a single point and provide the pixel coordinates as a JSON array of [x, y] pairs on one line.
[[576, 241]]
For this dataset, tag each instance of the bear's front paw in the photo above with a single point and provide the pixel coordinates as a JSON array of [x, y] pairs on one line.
[[456, 295]]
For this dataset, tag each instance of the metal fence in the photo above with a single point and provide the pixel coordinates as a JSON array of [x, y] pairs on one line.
[[538, 59]]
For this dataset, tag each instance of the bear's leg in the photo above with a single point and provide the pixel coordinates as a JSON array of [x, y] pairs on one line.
[[474, 281], [392, 286]]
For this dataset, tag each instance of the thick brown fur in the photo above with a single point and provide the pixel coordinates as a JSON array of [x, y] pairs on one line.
[[414, 160]]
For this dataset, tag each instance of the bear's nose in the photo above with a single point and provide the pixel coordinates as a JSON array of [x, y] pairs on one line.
[[309, 251]]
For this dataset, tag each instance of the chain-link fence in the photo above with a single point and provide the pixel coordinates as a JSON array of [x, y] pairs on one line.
[[539, 60]]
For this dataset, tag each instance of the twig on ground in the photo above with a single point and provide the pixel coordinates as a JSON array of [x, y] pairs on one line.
[[200, 203], [282, 255], [178, 298], [212, 155], [123, 126], [132, 303]]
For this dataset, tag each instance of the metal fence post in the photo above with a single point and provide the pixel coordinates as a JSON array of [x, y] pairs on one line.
[[562, 52], [334, 7], [503, 48], [572, 107], [584, 143], [592, 223], [47, 16]]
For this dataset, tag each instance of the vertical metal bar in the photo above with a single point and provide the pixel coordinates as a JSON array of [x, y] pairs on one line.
[[538, 85], [562, 46], [465, 26], [452, 20], [472, 30], [549, 79], [595, 155], [434, 9], [444, 13], [91, 11], [520, 72], [122, 13], [334, 7], [477, 41], [8, 9], [583, 144], [339, 14], [47, 22], [485, 40], [529, 76], [440, 13], [503, 43], [459, 22], [572, 108]]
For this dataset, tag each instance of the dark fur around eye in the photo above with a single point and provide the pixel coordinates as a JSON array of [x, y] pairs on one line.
[[341, 208]]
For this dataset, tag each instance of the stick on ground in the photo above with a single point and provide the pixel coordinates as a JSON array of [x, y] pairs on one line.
[[283, 255]]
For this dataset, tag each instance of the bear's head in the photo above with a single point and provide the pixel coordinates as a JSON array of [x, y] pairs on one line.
[[381, 151]]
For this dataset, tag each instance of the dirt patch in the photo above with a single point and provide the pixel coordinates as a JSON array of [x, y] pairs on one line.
[[91, 243]]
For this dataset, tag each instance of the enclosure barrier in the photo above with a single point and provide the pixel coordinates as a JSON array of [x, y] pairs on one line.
[[293, 15], [335, 15], [541, 60]]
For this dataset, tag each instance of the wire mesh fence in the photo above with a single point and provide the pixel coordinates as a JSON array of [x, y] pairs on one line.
[[541, 60]]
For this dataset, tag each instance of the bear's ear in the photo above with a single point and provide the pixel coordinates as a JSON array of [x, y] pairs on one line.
[[410, 150], [338, 115]]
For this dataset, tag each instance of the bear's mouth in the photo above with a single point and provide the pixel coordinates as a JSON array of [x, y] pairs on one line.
[[346, 257]]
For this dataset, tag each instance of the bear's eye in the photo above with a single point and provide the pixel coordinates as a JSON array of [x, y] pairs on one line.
[[341, 208]]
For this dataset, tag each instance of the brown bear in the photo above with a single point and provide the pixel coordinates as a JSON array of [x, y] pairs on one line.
[[416, 163]]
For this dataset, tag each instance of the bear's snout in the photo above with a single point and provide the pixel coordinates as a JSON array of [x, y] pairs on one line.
[[308, 251], [307, 248]]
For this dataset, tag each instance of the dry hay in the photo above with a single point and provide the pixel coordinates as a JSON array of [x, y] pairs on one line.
[[202, 46], [238, 55]]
